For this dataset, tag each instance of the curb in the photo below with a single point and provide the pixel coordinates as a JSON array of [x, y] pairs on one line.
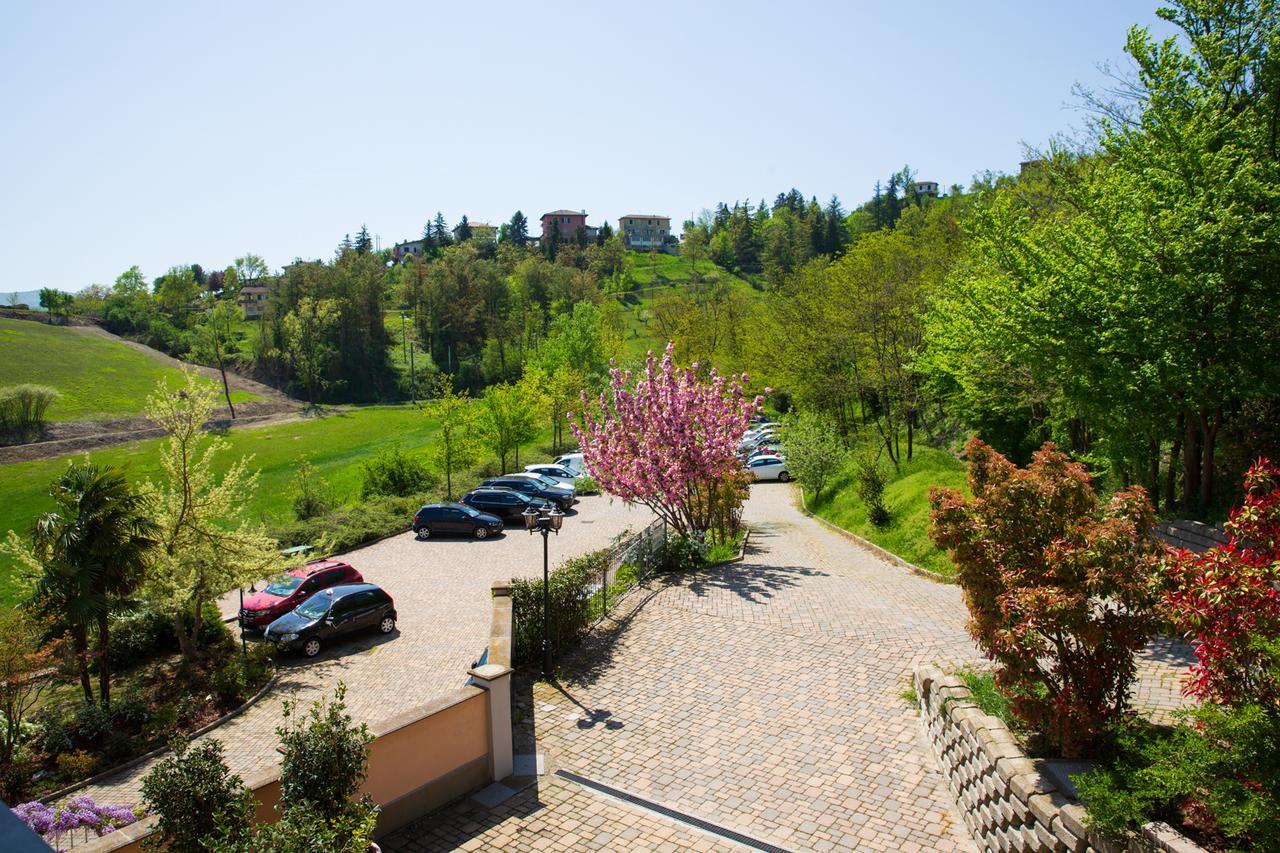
[[880, 552], [147, 756]]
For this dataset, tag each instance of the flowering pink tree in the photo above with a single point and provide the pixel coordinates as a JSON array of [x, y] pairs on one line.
[[670, 442]]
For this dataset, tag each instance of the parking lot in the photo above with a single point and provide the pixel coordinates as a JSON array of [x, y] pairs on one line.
[[441, 591]]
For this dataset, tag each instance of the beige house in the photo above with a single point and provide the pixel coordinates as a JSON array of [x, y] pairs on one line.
[[253, 299], [644, 231]]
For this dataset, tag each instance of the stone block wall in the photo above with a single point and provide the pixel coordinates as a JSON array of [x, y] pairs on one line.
[[1005, 799]]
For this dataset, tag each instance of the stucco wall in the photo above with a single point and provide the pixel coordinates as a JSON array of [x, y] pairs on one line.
[[1006, 800]]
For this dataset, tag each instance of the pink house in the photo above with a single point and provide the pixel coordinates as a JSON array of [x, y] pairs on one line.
[[568, 221]]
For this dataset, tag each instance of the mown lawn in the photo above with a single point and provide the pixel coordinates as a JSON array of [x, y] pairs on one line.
[[335, 444], [98, 377], [907, 499]]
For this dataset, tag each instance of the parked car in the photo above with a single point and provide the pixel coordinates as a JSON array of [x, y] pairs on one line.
[[558, 495], [504, 503], [285, 592], [574, 462], [766, 450], [550, 482], [559, 473], [332, 613], [769, 468], [435, 519], [767, 426]]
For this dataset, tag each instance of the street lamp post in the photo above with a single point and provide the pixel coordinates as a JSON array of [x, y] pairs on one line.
[[544, 520]]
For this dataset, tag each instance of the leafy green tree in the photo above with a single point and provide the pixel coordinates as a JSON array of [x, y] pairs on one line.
[[306, 331], [55, 302], [815, 452], [250, 269], [518, 230], [205, 547], [507, 415], [87, 556], [364, 243], [217, 337], [456, 447], [176, 290]]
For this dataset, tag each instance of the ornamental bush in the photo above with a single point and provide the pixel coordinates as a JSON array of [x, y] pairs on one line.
[[23, 409], [569, 592], [1060, 588], [196, 797], [1227, 600], [394, 472], [325, 756]]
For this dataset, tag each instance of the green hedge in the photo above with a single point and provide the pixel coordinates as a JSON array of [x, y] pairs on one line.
[[571, 587], [346, 527]]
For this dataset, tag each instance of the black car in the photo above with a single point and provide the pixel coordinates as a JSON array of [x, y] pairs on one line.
[[331, 613], [504, 503], [557, 495], [434, 519]]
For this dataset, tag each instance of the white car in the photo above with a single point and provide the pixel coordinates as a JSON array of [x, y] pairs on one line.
[[543, 480], [768, 426], [559, 473], [769, 468], [574, 462]]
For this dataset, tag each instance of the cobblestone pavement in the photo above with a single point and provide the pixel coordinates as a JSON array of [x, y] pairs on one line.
[[441, 590], [764, 696]]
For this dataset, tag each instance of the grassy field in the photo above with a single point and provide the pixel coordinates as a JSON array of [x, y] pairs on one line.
[[907, 498], [98, 377], [335, 444]]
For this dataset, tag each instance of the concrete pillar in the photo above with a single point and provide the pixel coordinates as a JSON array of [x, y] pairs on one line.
[[496, 679]]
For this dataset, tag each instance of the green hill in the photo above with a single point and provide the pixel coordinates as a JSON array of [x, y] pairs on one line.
[[99, 377], [335, 444]]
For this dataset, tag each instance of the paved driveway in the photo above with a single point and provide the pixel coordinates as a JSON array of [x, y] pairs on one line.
[[441, 590], [763, 697]]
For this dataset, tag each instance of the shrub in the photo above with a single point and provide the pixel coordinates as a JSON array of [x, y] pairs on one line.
[[394, 472], [569, 591], [77, 765], [303, 830], [870, 480], [1059, 588], [587, 485], [194, 795], [228, 682], [23, 408], [1227, 600], [311, 494], [142, 634], [79, 814], [325, 756], [346, 527], [685, 552], [242, 674]]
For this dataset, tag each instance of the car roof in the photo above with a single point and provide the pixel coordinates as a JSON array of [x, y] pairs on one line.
[[442, 505], [309, 569], [342, 590]]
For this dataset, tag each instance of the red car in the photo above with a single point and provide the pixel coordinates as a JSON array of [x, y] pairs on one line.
[[285, 592]]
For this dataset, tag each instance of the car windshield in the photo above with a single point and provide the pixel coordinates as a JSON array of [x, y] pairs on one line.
[[314, 607], [471, 511], [543, 479], [282, 585]]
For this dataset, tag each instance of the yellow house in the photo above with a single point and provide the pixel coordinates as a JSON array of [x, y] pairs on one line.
[[644, 231]]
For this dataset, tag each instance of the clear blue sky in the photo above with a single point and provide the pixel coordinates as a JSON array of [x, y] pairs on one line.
[[172, 133]]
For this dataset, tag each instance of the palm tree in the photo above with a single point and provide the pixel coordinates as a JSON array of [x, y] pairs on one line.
[[93, 548]]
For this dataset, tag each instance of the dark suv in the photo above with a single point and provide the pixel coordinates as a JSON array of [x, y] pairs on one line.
[[331, 613], [434, 519], [504, 503], [285, 592], [557, 495]]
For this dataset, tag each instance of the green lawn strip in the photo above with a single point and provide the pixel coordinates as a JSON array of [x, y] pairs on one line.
[[335, 444], [907, 498], [98, 377]]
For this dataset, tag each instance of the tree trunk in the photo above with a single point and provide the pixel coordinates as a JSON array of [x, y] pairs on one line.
[[1210, 421], [1154, 488], [1171, 475], [80, 644], [180, 629], [1190, 463], [104, 665], [911, 432], [225, 388]]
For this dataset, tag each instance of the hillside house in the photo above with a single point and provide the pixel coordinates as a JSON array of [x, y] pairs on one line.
[[644, 230], [568, 221], [253, 300], [401, 251], [929, 188]]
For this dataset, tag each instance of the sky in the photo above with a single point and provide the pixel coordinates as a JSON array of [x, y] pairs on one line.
[[173, 133]]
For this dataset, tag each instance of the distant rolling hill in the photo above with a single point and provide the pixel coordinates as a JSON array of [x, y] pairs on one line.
[[30, 298]]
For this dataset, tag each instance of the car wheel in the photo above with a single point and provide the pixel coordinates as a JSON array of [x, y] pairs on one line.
[[311, 648], [423, 533], [387, 625], [784, 477], [482, 533]]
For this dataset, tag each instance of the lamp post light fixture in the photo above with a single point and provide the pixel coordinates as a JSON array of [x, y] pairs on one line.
[[544, 520]]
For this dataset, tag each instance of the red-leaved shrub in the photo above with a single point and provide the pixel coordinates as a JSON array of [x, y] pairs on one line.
[[1060, 587], [1227, 600]]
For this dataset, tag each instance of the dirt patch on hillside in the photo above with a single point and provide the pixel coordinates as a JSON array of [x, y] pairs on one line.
[[62, 438]]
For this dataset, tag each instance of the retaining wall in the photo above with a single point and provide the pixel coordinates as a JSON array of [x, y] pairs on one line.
[[1007, 801]]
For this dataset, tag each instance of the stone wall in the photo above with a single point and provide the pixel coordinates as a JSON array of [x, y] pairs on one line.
[[1007, 801], [1191, 535]]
